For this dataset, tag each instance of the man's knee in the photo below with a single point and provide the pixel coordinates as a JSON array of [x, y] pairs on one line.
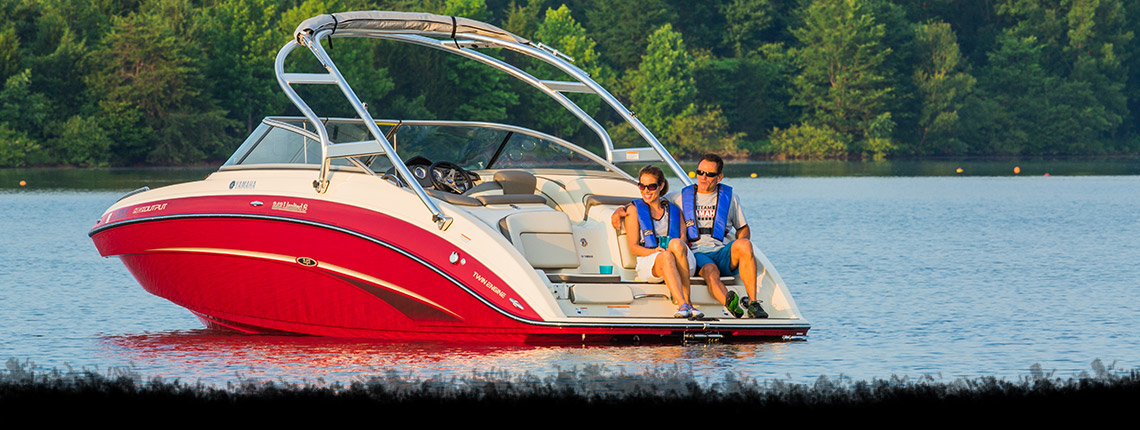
[[742, 247], [710, 271]]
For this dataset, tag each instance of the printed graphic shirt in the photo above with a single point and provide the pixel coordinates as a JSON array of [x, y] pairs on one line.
[[706, 216]]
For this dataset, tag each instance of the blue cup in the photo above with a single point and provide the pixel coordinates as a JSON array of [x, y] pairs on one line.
[[663, 241], [606, 270]]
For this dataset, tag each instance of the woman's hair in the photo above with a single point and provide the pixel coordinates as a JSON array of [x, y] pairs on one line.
[[657, 173]]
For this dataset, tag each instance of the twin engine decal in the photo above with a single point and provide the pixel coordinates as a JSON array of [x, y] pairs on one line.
[[495, 290], [491, 286]]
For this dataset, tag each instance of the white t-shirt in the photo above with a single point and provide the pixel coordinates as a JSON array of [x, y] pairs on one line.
[[706, 217]]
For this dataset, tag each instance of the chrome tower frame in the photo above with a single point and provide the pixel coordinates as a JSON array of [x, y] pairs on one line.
[[465, 47]]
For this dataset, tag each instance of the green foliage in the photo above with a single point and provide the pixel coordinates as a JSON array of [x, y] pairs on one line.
[[941, 87], [474, 9], [10, 59], [22, 109], [842, 82], [56, 72], [663, 84], [242, 48], [622, 29], [744, 22], [355, 58], [1023, 109], [878, 143], [128, 130], [82, 142], [560, 31], [145, 63], [124, 82], [1054, 83], [697, 131], [15, 147], [524, 20], [477, 92], [806, 141], [752, 91]]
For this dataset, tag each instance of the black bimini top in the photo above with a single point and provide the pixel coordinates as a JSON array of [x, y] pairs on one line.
[[402, 22]]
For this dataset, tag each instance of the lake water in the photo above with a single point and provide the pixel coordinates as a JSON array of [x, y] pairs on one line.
[[949, 276]]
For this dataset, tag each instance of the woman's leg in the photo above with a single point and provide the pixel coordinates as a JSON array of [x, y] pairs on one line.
[[665, 266], [681, 255]]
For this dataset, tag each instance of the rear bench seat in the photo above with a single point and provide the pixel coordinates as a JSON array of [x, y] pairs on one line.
[[546, 239]]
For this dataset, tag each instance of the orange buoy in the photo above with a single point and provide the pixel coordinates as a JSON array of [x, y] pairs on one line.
[[1016, 170], [753, 175], [22, 183], [959, 170], [692, 174]]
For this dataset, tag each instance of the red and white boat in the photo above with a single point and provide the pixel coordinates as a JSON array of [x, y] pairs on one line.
[[499, 235]]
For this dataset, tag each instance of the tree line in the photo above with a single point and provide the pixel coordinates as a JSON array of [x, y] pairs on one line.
[[176, 82]]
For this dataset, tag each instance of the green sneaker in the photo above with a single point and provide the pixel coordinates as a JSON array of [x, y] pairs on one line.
[[732, 303], [754, 309]]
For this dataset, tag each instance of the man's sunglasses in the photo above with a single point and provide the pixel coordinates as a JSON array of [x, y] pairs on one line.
[[650, 187], [707, 174]]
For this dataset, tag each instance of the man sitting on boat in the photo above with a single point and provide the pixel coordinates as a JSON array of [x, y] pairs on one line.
[[659, 243], [709, 208]]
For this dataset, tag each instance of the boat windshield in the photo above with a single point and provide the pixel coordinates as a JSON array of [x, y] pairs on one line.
[[471, 145]]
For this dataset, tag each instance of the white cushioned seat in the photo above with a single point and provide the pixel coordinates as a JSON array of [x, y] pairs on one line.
[[545, 238]]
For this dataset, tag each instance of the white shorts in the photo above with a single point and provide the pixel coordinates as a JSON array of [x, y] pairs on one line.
[[645, 267]]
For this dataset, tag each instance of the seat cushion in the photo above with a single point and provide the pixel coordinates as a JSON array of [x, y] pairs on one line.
[[544, 237]]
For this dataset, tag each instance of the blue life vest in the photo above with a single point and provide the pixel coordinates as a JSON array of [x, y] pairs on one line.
[[645, 219], [689, 208]]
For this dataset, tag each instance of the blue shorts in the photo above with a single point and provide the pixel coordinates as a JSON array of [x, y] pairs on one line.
[[722, 258]]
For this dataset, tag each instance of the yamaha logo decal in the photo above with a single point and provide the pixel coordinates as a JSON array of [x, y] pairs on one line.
[[243, 185]]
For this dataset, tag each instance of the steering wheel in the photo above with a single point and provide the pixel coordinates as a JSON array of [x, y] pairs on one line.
[[418, 166], [448, 176]]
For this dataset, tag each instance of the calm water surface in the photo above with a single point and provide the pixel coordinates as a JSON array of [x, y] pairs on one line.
[[944, 276]]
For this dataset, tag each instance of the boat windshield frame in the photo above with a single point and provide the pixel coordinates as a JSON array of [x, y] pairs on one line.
[[258, 138], [463, 37]]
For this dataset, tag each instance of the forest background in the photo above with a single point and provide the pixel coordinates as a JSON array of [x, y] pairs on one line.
[[179, 82]]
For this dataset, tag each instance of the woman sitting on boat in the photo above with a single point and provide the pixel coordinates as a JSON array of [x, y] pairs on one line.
[[658, 241]]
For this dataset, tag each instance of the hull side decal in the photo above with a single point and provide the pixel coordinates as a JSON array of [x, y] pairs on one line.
[[418, 305]]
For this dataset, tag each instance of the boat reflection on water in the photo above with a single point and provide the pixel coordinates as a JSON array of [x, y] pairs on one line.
[[221, 357]]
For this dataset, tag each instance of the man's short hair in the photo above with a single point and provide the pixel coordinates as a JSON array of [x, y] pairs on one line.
[[716, 159]]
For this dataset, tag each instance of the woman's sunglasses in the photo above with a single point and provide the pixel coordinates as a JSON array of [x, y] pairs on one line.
[[650, 187], [707, 174]]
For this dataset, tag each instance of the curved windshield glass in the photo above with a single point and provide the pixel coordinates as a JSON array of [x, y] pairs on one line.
[[473, 146]]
